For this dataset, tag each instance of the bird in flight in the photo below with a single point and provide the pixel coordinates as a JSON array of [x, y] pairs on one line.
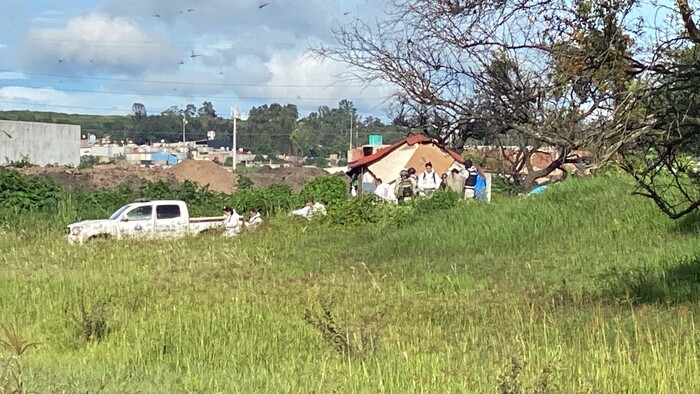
[[156, 16], [181, 62], [346, 13], [263, 5], [61, 60], [193, 55], [190, 9]]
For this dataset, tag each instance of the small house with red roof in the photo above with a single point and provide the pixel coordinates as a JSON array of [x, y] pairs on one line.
[[416, 150]]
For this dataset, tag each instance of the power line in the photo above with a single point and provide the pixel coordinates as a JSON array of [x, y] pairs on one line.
[[132, 44], [196, 83], [206, 96], [240, 133]]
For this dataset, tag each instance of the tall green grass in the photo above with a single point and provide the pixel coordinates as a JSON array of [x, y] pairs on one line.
[[583, 288]]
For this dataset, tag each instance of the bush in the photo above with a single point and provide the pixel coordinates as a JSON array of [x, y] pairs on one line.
[[441, 199], [28, 193], [329, 190], [244, 182], [88, 161], [369, 209], [268, 200]]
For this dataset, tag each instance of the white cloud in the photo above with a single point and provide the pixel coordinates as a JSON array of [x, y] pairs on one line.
[[98, 43], [315, 82], [34, 95], [2, 46], [6, 75]]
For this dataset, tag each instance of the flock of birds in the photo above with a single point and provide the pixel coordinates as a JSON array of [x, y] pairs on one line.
[[261, 5]]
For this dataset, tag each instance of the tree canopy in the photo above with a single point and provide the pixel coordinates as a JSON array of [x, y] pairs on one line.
[[555, 75]]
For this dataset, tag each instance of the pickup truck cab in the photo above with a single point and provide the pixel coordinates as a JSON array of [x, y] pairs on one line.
[[143, 219]]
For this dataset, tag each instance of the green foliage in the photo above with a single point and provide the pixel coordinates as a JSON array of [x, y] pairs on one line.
[[329, 190], [441, 199], [21, 194], [267, 200], [319, 161], [501, 186], [244, 183], [88, 161], [585, 288]]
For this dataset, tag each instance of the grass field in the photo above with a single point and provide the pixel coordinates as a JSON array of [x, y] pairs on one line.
[[581, 289]]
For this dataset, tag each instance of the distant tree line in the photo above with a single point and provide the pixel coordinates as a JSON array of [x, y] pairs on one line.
[[269, 129]]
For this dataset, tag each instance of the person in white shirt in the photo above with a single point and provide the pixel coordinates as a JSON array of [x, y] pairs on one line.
[[254, 219], [232, 222], [429, 181], [384, 191], [311, 209]]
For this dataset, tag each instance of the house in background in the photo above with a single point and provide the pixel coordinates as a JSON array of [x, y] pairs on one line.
[[386, 163]]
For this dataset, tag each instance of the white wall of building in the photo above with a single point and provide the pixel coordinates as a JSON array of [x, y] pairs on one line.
[[40, 143]]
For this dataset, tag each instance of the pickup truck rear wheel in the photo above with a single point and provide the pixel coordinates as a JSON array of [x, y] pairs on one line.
[[99, 238]]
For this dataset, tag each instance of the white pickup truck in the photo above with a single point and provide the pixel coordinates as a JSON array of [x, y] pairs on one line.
[[144, 219]]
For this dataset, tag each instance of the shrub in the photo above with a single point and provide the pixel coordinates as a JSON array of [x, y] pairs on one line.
[[27, 193], [329, 190], [268, 200], [88, 161], [441, 199], [244, 183], [91, 322], [369, 209]]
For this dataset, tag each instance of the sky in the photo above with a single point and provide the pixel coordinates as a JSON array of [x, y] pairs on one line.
[[101, 56]]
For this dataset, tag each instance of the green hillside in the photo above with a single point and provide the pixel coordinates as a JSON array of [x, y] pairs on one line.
[[583, 288], [89, 123]]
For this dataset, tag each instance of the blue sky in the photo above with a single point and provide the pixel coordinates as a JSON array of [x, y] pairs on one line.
[[102, 56]]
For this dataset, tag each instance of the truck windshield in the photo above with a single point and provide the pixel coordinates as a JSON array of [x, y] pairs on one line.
[[121, 210]]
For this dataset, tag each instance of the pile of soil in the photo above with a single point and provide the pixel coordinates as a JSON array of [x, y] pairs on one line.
[[294, 177], [205, 172], [103, 176]]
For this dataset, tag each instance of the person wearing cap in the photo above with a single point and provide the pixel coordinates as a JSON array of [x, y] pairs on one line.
[[404, 187], [429, 181], [233, 222], [311, 208]]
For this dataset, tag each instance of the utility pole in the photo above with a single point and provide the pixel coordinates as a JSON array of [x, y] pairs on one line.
[[234, 115], [184, 122]]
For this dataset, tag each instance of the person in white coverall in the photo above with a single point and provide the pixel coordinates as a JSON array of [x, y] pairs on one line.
[[232, 222], [429, 181], [310, 209], [384, 191], [254, 219]]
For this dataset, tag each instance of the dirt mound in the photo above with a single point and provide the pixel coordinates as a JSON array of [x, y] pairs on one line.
[[205, 172], [105, 176], [295, 177]]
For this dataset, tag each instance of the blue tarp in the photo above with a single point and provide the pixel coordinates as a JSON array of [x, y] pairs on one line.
[[169, 158]]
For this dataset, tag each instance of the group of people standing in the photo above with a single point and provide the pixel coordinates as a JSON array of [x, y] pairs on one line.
[[469, 182]]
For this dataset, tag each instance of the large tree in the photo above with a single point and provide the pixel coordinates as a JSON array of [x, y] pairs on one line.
[[499, 65]]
